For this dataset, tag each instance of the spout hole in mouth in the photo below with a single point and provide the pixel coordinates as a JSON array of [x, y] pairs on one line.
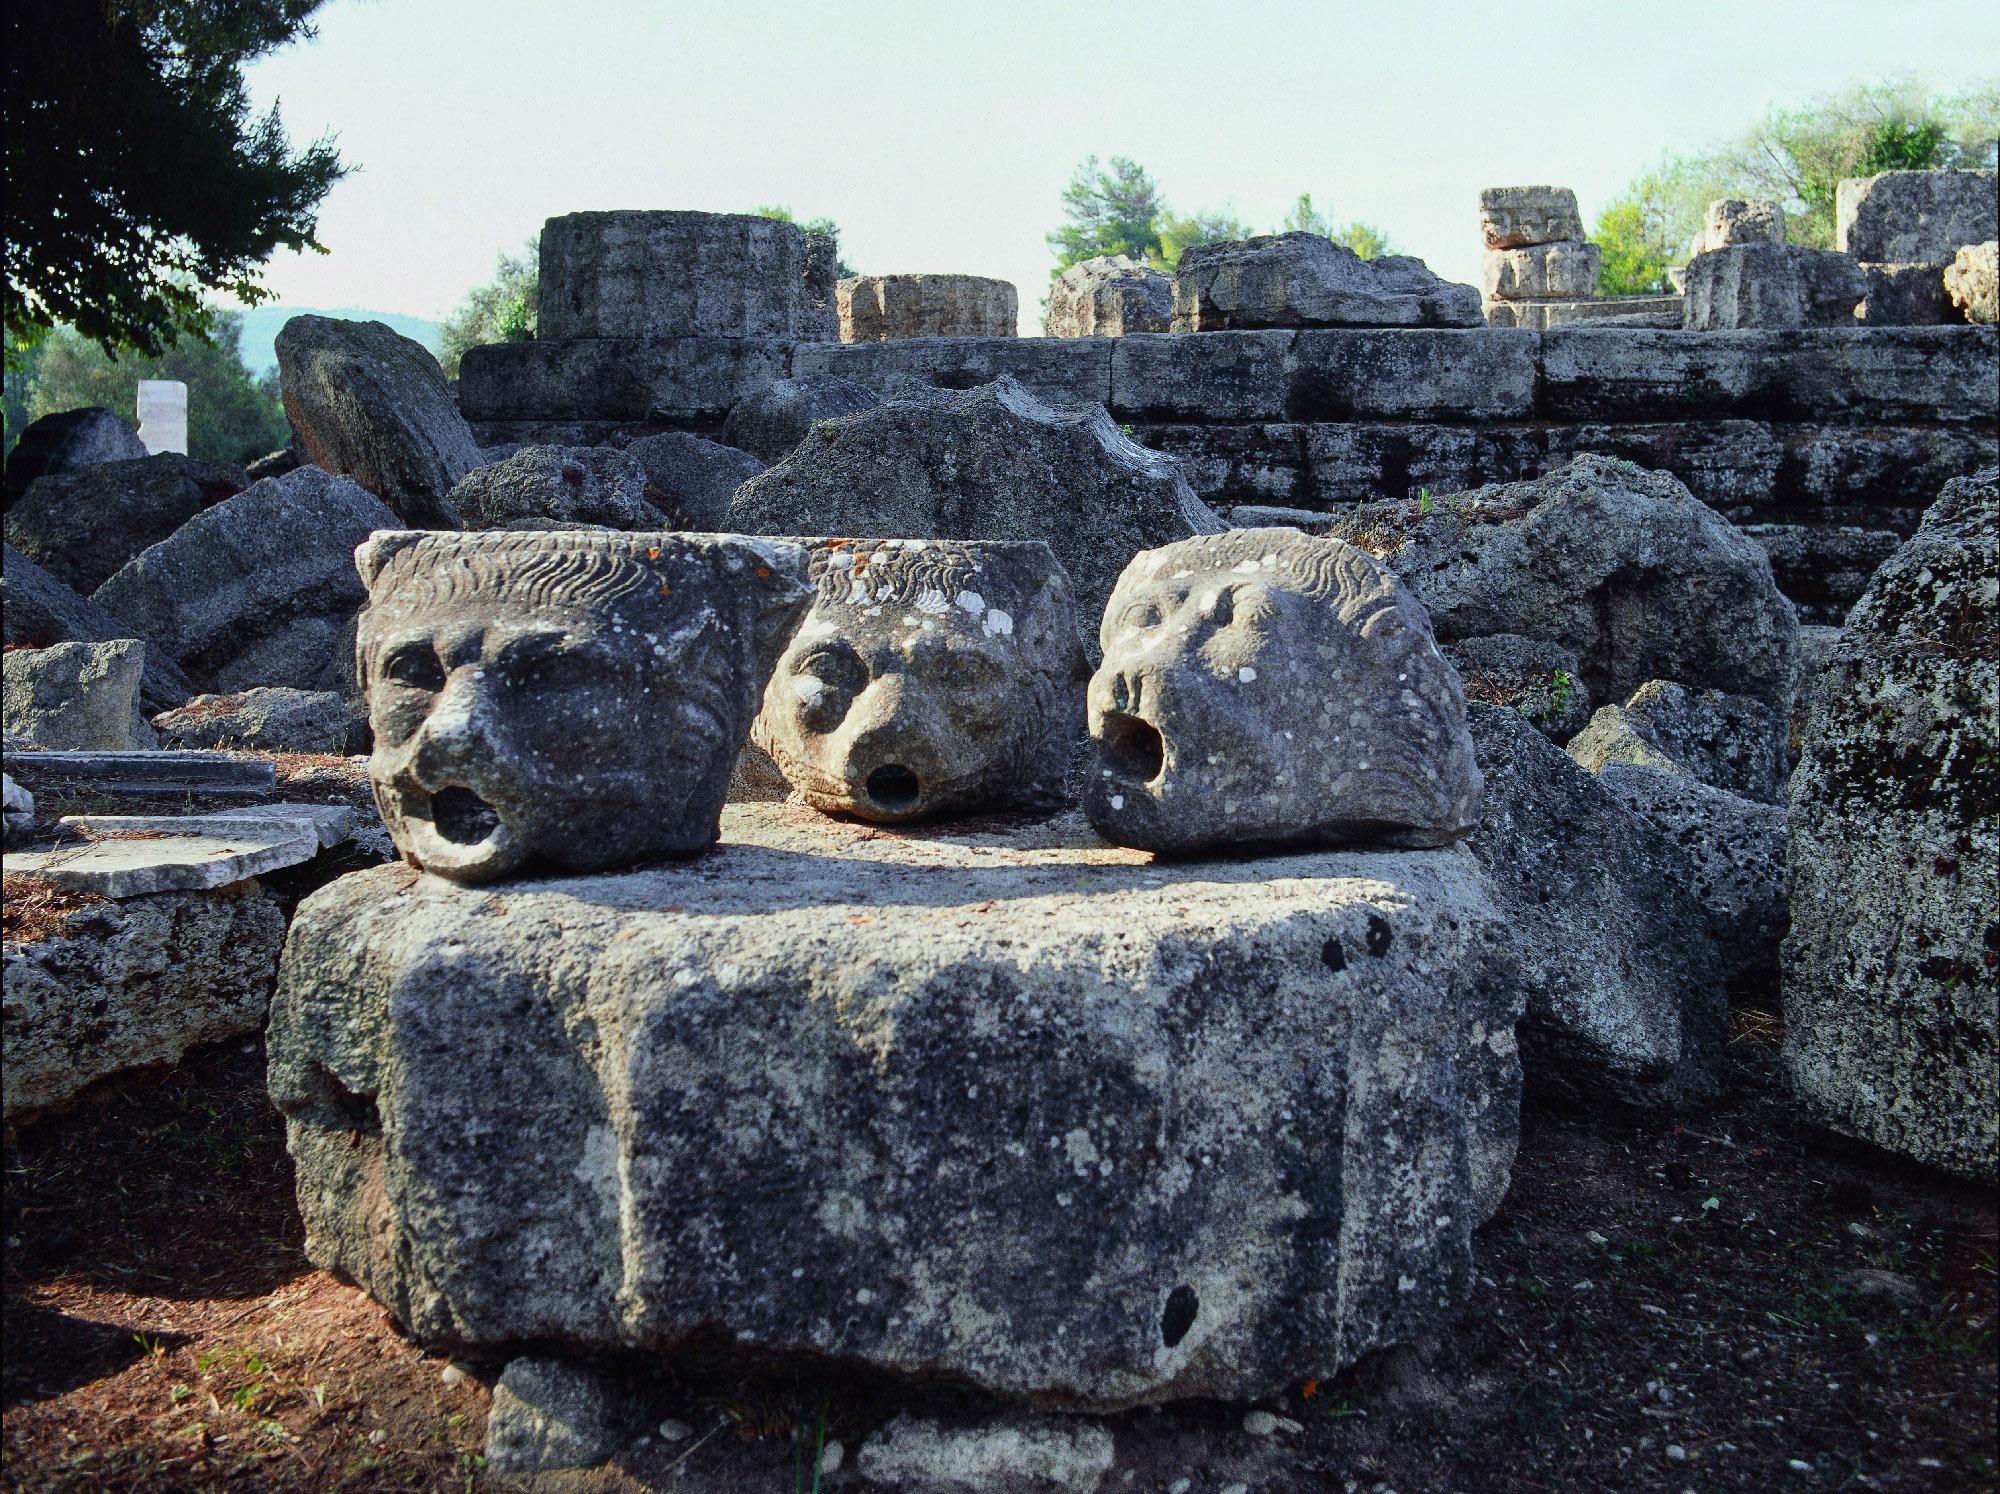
[[462, 816], [1135, 747], [893, 788]]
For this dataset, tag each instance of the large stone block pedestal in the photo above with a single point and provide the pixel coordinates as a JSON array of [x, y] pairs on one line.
[[1002, 1105]]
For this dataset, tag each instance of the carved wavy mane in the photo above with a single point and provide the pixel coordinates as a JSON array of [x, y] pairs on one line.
[[562, 567]]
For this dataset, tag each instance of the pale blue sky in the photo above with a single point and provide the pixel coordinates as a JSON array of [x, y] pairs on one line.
[[940, 135]]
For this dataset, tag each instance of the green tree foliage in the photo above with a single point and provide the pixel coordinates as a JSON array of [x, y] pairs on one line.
[[1110, 209], [504, 309], [1178, 235], [1796, 157], [821, 228], [231, 418], [137, 177]]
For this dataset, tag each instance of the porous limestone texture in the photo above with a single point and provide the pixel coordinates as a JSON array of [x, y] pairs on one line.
[[988, 463], [1109, 296], [1514, 217], [1012, 1108], [1307, 280], [931, 677], [266, 718], [573, 696], [1610, 311], [151, 772], [1041, 1455], [1730, 742], [1738, 220], [691, 479], [1892, 966], [1972, 280], [1541, 680], [1263, 686], [771, 422], [366, 402], [124, 985], [1915, 217], [67, 442], [82, 526], [1906, 296], [1541, 272], [1621, 566], [1737, 849], [78, 697], [1771, 286], [39, 610], [674, 380], [884, 308], [1823, 568], [19, 810], [661, 275], [1605, 922], [553, 1413], [258, 590], [557, 487]]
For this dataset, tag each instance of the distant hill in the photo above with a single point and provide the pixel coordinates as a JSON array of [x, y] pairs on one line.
[[261, 324]]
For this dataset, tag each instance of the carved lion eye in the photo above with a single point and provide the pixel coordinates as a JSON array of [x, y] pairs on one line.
[[1140, 616], [416, 666], [826, 682]]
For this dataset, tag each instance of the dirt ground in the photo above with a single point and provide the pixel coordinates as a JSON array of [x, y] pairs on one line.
[[1728, 1304]]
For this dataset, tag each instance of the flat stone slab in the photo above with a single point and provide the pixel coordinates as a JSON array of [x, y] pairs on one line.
[[163, 855], [149, 772], [330, 823], [996, 1102]]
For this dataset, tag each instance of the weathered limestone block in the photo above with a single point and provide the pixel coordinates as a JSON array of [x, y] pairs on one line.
[[368, 403], [1771, 286], [1265, 685], [990, 463], [1068, 370], [658, 275], [771, 422], [266, 718], [81, 526], [1481, 374], [196, 854], [1151, 1137], [1852, 374], [1112, 295], [68, 442], [576, 696], [261, 588], [691, 479], [1737, 220], [1906, 296], [672, 380], [1730, 742], [1515, 217], [1623, 567], [1915, 217], [1890, 974], [1605, 312], [1041, 1455], [553, 1413], [124, 985], [77, 697], [1625, 982], [929, 678], [1541, 680], [884, 308], [1307, 280], [1222, 376], [1736, 847], [1972, 280], [1823, 569], [557, 487], [39, 610], [1541, 272]]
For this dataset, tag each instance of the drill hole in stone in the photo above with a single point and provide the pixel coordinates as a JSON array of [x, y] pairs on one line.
[[893, 788], [462, 816], [1182, 1305], [1134, 747]]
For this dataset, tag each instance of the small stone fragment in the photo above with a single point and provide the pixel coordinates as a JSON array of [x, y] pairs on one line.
[[552, 1413], [76, 697], [557, 487], [1029, 1456], [1972, 280], [1307, 280]]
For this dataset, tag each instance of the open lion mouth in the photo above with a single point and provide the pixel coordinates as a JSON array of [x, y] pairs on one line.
[[462, 817]]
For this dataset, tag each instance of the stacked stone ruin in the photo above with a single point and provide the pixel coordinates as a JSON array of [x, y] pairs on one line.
[[1128, 991]]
